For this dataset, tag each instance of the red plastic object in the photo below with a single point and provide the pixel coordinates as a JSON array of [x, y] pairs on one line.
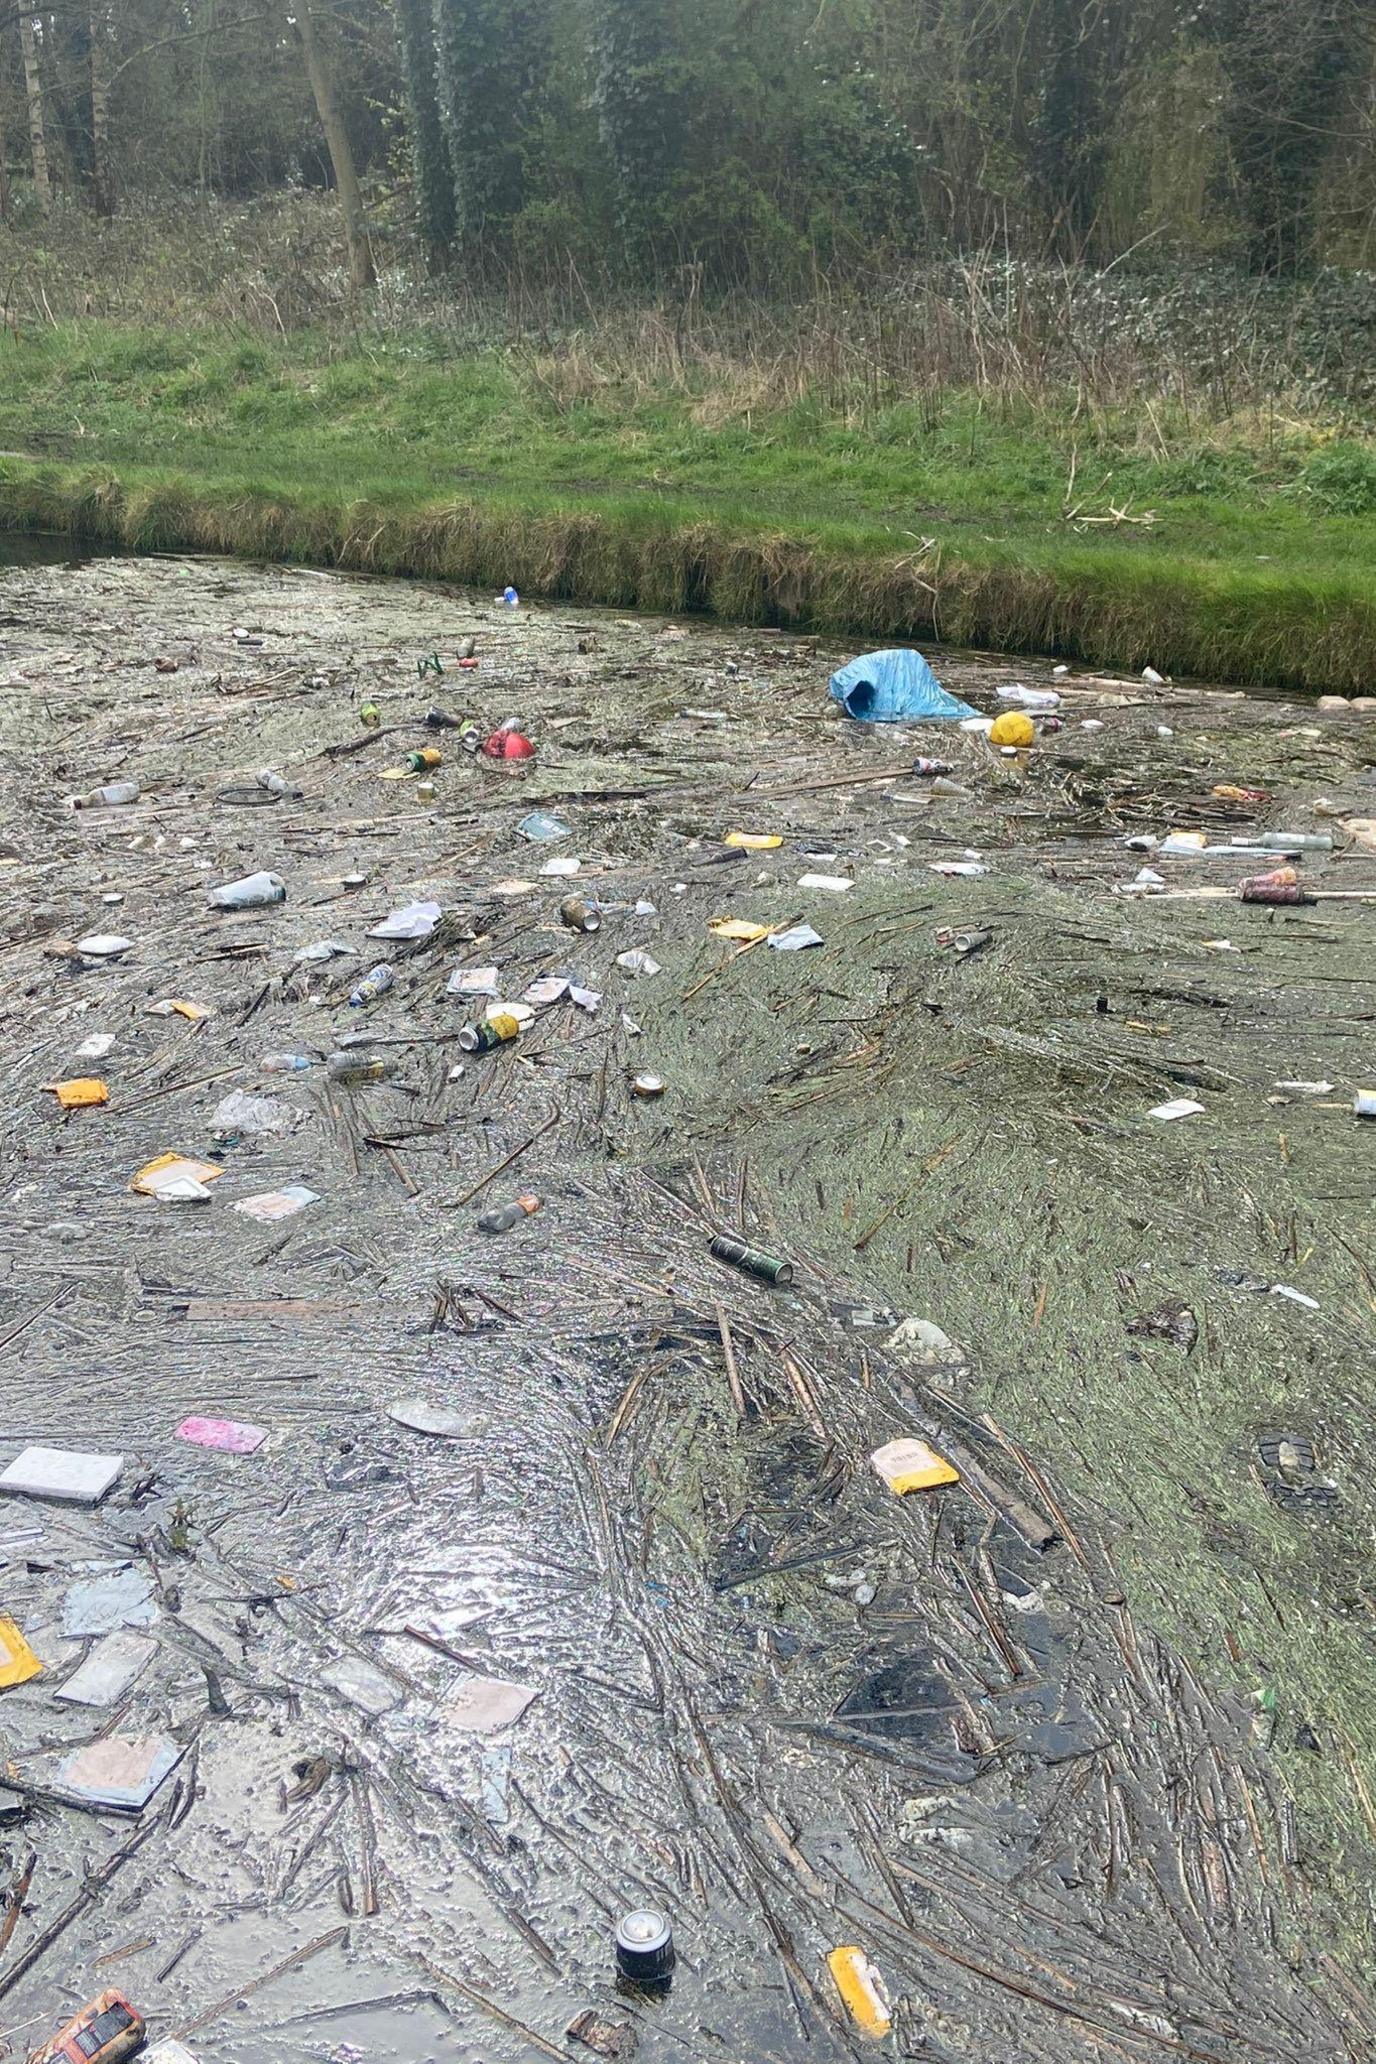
[[508, 745], [469, 665], [1262, 889], [106, 2031]]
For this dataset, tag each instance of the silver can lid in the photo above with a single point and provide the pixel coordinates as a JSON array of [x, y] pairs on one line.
[[643, 1932]]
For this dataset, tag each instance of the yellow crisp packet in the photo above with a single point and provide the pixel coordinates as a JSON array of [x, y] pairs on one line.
[[737, 928], [17, 1660], [753, 841], [862, 1990], [910, 1465], [193, 1012], [81, 1092], [156, 1175]]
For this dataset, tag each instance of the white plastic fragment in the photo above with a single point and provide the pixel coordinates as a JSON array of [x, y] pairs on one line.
[[472, 982], [1019, 697], [412, 921], [1178, 1107], [62, 1473]]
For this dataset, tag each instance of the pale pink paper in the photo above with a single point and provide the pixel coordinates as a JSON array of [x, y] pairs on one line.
[[229, 1434]]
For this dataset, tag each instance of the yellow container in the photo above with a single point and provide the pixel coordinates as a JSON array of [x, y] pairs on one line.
[[862, 1990], [910, 1465]]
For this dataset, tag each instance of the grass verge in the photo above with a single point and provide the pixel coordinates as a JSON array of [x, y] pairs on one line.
[[945, 518]]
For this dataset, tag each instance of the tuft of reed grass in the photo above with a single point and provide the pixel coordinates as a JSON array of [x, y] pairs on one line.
[[1184, 616]]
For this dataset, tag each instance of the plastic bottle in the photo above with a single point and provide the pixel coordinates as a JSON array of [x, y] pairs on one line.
[[285, 1064], [943, 785], [358, 1067], [1296, 841], [275, 785], [107, 798], [511, 598], [253, 892], [375, 983], [504, 1216]]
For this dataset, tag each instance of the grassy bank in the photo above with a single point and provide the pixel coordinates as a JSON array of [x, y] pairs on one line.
[[971, 516]]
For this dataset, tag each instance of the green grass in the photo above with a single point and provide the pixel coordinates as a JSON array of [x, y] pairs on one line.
[[883, 518]]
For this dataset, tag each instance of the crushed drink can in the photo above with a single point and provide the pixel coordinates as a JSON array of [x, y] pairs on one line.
[[492, 1032], [752, 1261], [579, 915], [375, 983]]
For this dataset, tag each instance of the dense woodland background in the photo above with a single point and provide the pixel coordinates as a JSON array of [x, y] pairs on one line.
[[744, 143]]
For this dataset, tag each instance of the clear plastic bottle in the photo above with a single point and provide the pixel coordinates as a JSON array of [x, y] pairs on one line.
[[511, 598], [285, 1063], [109, 797], [359, 1067]]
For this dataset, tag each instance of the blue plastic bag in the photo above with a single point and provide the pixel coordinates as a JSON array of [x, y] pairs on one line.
[[894, 688]]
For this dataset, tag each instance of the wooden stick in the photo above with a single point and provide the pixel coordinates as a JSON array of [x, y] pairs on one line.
[[491, 2009], [243, 1992], [452, 1203], [739, 954], [732, 1372], [171, 1088], [95, 1884]]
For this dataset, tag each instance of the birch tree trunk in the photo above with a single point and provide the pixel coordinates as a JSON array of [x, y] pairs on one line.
[[102, 185], [33, 89]]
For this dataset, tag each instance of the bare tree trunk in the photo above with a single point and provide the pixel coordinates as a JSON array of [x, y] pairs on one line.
[[102, 185], [33, 87], [361, 270], [4, 168]]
